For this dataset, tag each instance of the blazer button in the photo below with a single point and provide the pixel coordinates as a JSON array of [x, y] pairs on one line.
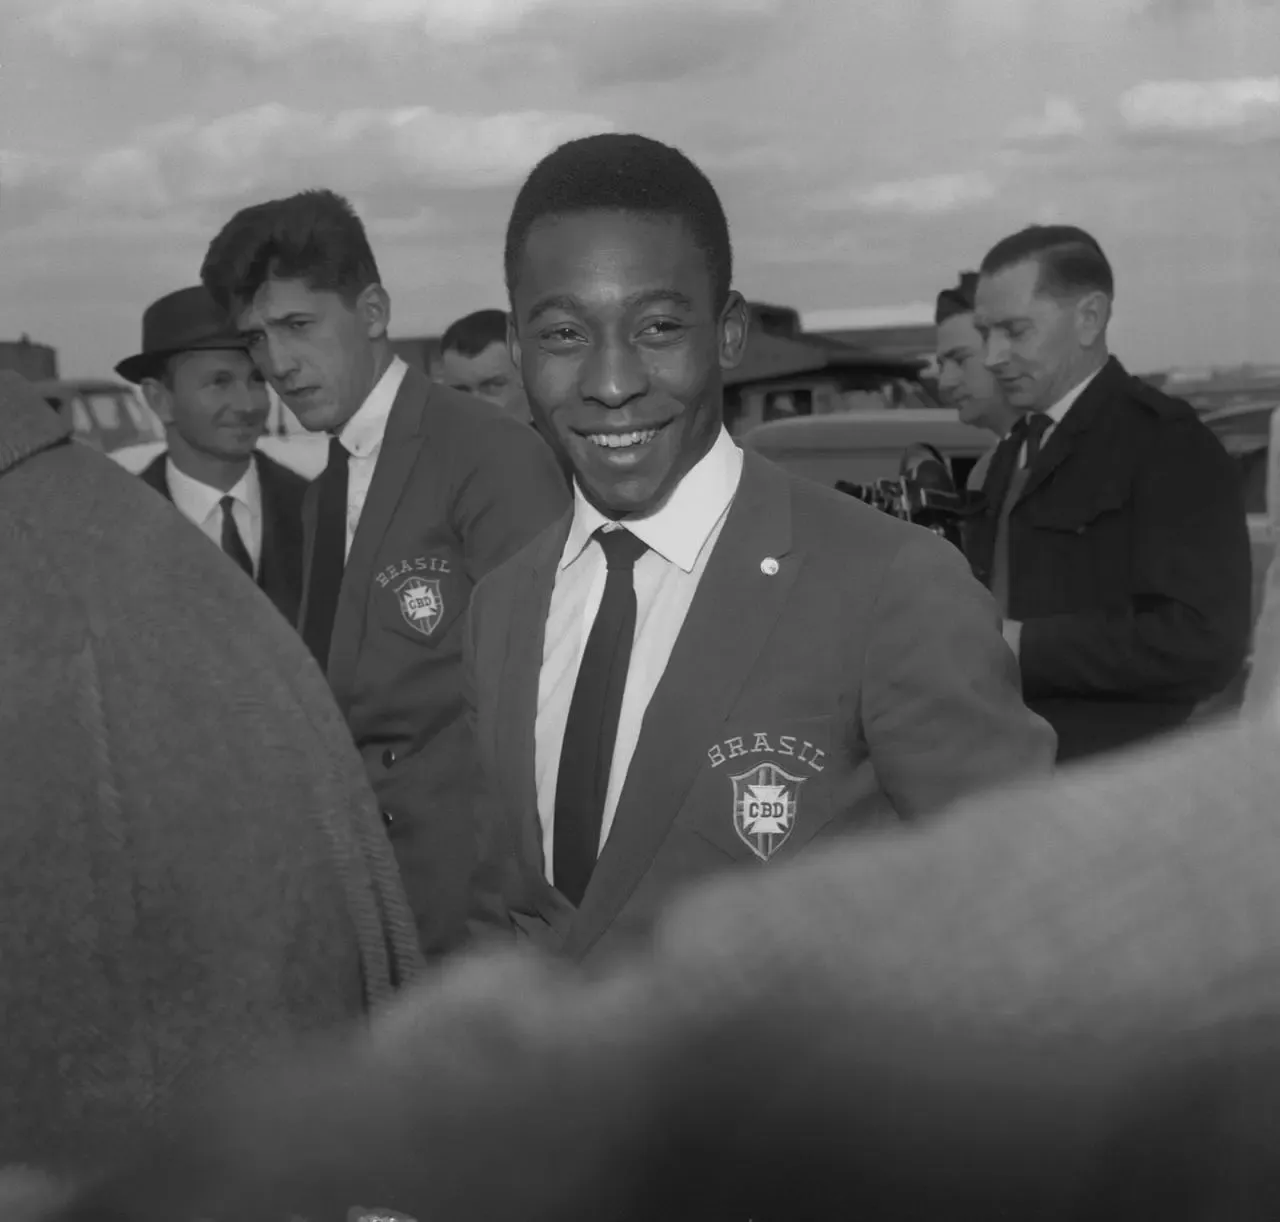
[[388, 757], [388, 818]]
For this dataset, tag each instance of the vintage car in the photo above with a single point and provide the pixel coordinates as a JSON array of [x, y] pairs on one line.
[[861, 447], [109, 416]]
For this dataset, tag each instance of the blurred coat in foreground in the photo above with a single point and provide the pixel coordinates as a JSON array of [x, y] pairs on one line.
[[193, 867], [1056, 1005]]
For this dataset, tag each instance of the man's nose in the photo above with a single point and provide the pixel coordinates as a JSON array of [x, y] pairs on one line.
[[274, 359], [613, 375], [995, 352]]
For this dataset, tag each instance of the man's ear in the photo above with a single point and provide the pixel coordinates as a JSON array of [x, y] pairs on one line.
[[734, 326], [159, 399], [1093, 312], [374, 308], [513, 346]]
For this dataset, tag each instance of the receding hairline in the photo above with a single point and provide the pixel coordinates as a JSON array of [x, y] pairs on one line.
[[1044, 285]]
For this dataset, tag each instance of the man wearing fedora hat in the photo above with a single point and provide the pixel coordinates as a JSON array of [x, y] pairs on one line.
[[201, 382]]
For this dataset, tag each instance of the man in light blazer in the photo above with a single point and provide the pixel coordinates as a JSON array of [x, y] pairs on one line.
[[795, 665], [425, 491]]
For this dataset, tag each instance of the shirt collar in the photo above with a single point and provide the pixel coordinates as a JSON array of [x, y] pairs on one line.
[[1063, 405], [361, 436], [679, 530], [199, 500]]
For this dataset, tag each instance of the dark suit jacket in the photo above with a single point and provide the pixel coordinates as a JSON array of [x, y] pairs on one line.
[[1129, 567], [868, 669], [1037, 1008], [459, 487], [280, 565]]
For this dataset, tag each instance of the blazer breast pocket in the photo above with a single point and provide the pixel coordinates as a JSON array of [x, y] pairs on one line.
[[763, 788], [421, 597]]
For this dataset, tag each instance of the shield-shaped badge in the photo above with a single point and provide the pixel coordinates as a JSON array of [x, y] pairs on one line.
[[421, 603], [766, 802]]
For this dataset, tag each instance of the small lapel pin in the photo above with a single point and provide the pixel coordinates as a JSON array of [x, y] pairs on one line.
[[768, 566]]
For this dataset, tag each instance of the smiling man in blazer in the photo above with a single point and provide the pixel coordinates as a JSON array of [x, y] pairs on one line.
[[425, 491], [707, 661], [197, 377]]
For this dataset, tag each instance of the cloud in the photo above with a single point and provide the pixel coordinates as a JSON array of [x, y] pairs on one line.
[[274, 149], [605, 41], [1059, 120], [933, 195], [1239, 109]]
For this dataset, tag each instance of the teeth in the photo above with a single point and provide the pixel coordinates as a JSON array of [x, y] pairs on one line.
[[619, 441]]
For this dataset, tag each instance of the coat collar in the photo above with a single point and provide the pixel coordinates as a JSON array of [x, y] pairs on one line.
[[28, 424]]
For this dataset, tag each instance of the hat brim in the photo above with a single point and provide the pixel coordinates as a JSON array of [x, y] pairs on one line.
[[144, 365]]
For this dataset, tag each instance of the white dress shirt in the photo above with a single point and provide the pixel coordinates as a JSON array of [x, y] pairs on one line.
[[1058, 412], [681, 537], [362, 436], [202, 505]]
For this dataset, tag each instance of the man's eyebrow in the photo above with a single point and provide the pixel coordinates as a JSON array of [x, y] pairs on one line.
[[952, 354], [571, 304]]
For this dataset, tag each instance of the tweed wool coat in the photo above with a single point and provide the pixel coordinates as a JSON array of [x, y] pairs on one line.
[[192, 866]]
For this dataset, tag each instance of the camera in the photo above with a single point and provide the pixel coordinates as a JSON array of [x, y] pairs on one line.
[[923, 492]]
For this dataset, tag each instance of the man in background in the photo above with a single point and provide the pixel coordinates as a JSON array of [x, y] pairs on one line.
[[964, 382], [199, 379], [475, 359], [425, 492], [1115, 539], [193, 869]]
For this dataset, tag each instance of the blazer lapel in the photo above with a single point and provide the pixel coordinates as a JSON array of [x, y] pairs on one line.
[[732, 614], [518, 686], [406, 432], [1076, 422]]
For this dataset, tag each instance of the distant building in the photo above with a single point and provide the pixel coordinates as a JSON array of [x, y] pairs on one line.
[[35, 362], [788, 370]]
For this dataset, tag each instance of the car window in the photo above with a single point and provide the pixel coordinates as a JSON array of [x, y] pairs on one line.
[[82, 423], [106, 411]]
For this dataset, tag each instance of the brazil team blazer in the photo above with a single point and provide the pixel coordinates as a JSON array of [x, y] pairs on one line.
[[838, 670], [458, 488]]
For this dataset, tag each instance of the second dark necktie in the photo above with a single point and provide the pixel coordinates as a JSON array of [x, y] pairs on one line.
[[232, 540], [586, 755], [329, 555]]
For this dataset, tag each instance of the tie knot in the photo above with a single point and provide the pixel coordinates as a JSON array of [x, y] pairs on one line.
[[338, 453], [1033, 425], [227, 502], [621, 548]]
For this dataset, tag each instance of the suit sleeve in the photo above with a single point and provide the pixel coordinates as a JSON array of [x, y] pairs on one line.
[[1186, 630], [942, 705], [515, 489]]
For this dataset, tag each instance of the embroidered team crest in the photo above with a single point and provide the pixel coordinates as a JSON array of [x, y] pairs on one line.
[[421, 603], [766, 801]]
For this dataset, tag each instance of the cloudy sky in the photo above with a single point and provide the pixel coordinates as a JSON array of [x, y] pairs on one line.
[[866, 149]]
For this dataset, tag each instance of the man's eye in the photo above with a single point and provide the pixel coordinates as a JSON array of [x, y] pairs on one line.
[[663, 327], [563, 335]]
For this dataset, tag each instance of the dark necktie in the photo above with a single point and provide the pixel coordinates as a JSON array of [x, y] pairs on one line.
[[1027, 430], [592, 728], [329, 555], [232, 542]]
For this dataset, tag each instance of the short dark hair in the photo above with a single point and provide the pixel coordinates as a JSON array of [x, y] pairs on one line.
[[956, 300], [1071, 260], [314, 236], [471, 335], [623, 173]]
